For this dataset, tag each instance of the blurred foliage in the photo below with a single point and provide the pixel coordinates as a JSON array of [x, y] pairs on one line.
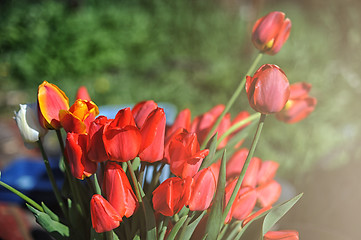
[[193, 54]]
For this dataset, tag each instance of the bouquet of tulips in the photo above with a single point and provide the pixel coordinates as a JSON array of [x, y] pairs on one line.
[[216, 189]]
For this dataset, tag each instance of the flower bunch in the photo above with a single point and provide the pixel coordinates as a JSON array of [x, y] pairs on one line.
[[216, 187]]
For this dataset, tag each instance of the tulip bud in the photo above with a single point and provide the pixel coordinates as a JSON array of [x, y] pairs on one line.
[[271, 32], [83, 94], [51, 100], [268, 90], [28, 123], [281, 235], [104, 217]]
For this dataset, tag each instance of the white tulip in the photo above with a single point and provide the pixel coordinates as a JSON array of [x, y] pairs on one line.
[[28, 123]]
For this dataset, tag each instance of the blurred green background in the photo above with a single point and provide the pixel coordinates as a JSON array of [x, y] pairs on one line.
[[193, 54]]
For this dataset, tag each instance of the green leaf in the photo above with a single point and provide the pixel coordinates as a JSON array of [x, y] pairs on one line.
[[150, 222], [212, 146], [260, 225], [49, 212], [54, 228], [136, 163], [95, 236], [176, 228], [192, 225], [215, 223]]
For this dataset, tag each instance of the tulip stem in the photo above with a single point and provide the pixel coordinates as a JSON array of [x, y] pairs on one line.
[[237, 125], [232, 99], [23, 196], [109, 235], [245, 166], [73, 186], [141, 173], [135, 182], [52, 179]]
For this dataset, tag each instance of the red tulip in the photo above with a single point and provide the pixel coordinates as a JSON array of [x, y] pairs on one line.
[[171, 195], [267, 172], [122, 139], [141, 111], [299, 104], [183, 120], [254, 215], [104, 217], [268, 193], [83, 94], [78, 118], [185, 155], [96, 149], [268, 90], [281, 235], [118, 190], [203, 189], [75, 150], [51, 100], [271, 32], [153, 131], [244, 202]]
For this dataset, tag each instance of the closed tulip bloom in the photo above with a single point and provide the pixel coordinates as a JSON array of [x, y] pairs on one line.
[[50, 101], [122, 138], [203, 188], [142, 110], [185, 155], [299, 104], [96, 149], [153, 132], [267, 171], [28, 123], [75, 150], [79, 116], [118, 190], [82, 94], [271, 32], [281, 235], [268, 90], [183, 120], [104, 217], [268, 193], [171, 195]]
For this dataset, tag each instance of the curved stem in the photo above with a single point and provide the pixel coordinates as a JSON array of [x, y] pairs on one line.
[[245, 166], [135, 182], [232, 99], [23, 196], [52, 179]]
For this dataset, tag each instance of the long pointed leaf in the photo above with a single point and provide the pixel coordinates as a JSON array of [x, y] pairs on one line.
[[149, 220], [212, 146], [176, 228], [192, 225]]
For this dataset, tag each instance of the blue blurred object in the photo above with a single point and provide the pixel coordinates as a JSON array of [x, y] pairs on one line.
[[29, 176]]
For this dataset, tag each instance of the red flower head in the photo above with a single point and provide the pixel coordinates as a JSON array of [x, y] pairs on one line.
[[75, 150], [118, 190], [51, 100], [185, 155], [183, 120], [122, 138], [171, 195], [268, 193], [268, 90], [142, 110], [83, 94], [96, 149], [153, 131], [203, 188], [104, 216], [281, 235], [78, 118], [299, 104], [271, 32]]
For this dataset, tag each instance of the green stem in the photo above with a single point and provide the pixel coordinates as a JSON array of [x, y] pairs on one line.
[[23, 196], [191, 214], [52, 179], [73, 185], [141, 173], [96, 184], [236, 126], [232, 99], [135, 182], [109, 235], [245, 166]]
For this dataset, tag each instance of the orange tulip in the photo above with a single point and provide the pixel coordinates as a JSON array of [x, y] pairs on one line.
[[78, 118], [299, 104], [268, 90], [104, 217], [271, 32], [281, 235], [118, 190], [50, 101]]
